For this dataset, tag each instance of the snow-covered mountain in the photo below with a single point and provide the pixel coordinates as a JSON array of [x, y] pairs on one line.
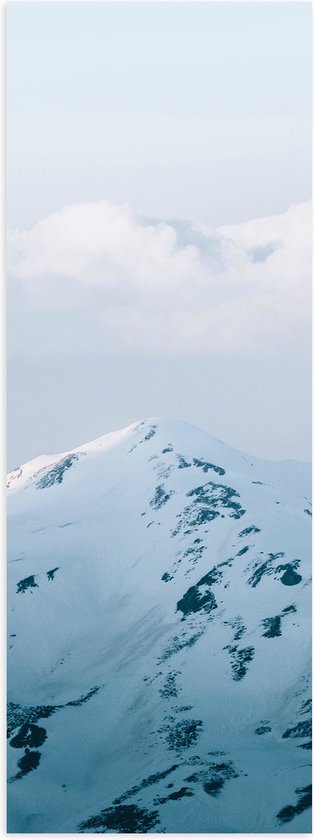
[[159, 638]]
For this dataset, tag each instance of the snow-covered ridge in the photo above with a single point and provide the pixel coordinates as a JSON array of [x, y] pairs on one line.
[[18, 478], [159, 631]]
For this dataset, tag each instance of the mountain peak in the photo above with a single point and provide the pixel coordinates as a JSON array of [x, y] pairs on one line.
[[160, 604]]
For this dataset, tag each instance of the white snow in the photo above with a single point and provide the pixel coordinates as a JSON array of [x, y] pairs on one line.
[[115, 527]]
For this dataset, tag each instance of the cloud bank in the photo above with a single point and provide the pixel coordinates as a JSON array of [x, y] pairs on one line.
[[98, 277]]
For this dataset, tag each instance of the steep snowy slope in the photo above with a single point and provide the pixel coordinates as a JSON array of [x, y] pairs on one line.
[[159, 638]]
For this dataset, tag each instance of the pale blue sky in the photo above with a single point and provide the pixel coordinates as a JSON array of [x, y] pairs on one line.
[[190, 110], [198, 110]]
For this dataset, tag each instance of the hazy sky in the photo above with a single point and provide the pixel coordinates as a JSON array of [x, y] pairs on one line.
[[136, 117], [197, 110]]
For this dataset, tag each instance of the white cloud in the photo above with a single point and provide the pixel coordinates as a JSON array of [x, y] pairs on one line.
[[95, 277]]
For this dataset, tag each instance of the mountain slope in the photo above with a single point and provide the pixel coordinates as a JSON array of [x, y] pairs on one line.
[[159, 638]]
